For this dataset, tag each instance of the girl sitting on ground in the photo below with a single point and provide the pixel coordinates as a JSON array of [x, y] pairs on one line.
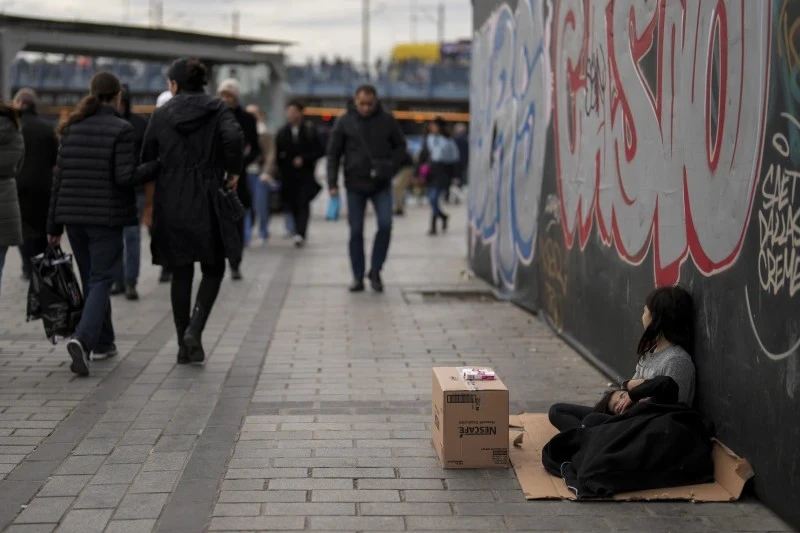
[[664, 349]]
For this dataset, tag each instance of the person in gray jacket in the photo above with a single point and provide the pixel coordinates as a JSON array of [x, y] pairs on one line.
[[12, 150]]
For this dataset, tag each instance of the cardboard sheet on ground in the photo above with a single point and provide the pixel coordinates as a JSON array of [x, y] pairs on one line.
[[731, 472]]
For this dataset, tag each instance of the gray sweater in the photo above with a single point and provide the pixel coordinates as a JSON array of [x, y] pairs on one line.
[[673, 362]]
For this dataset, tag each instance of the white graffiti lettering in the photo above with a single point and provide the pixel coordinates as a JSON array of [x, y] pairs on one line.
[[779, 223], [671, 159], [510, 98]]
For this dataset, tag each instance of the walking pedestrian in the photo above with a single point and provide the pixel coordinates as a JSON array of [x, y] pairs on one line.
[[259, 177], [298, 148], [374, 149], [35, 178], [93, 196], [198, 144], [443, 156], [230, 92], [132, 235], [12, 150]]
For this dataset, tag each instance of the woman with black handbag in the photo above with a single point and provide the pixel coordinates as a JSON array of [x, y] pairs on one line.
[[196, 212]]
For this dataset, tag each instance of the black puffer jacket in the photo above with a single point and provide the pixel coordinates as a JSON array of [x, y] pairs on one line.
[[360, 140], [197, 140], [94, 174]]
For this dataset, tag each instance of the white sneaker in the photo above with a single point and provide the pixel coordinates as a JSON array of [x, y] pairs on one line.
[[106, 354], [299, 241]]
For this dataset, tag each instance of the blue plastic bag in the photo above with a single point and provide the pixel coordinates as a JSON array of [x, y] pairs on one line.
[[334, 205]]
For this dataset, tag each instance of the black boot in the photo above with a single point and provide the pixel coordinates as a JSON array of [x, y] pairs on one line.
[[445, 219], [206, 295], [183, 351], [432, 231]]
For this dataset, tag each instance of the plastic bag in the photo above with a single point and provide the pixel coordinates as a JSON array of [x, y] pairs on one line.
[[334, 205], [54, 294]]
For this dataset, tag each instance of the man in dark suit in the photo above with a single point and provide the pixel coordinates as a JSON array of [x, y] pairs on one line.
[[35, 177], [298, 148]]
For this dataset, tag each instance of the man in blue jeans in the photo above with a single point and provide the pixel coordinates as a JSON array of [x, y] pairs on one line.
[[374, 149]]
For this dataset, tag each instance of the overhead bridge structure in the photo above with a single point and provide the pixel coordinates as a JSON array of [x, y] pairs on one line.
[[24, 34]]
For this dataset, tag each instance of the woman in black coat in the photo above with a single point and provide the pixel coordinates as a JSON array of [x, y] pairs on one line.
[[198, 143]]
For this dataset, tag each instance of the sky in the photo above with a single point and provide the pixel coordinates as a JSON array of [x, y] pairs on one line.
[[318, 27]]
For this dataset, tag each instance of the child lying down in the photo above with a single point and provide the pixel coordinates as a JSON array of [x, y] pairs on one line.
[[661, 389]]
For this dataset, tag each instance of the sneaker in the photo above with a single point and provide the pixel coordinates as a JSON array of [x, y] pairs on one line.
[[375, 281], [299, 241], [357, 286], [100, 355], [236, 274], [80, 358], [131, 293], [165, 277], [117, 289]]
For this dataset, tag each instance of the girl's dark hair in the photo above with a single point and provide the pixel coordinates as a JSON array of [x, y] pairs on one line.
[[10, 113], [602, 405], [103, 88], [189, 73], [443, 129], [672, 317]]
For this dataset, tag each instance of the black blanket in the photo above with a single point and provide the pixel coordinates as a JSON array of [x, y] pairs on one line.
[[657, 443]]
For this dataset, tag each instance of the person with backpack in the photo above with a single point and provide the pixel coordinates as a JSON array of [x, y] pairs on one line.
[[298, 148], [443, 154], [198, 144]]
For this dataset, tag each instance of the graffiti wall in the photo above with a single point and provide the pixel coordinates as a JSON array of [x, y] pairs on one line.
[[619, 145]]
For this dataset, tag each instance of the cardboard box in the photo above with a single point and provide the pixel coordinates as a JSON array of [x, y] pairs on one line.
[[530, 432], [470, 421]]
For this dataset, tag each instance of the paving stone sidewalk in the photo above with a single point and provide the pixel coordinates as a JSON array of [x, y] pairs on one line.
[[312, 412]]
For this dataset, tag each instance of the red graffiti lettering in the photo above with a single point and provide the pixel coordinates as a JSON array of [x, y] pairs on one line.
[[670, 153]]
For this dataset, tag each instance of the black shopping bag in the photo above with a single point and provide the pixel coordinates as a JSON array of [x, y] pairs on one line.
[[54, 294]]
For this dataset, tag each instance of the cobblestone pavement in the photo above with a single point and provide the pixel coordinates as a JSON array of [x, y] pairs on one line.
[[312, 412]]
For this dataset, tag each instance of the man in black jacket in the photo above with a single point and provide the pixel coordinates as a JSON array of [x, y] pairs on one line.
[[230, 92], [35, 177], [298, 148], [132, 235], [374, 150]]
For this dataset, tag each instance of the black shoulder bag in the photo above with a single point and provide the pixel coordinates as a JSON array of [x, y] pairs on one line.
[[380, 170]]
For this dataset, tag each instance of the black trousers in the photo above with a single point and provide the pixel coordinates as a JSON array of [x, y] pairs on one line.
[[31, 247], [566, 416], [298, 204], [181, 289]]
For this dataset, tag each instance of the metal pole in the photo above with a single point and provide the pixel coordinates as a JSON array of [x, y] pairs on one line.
[[365, 35], [413, 12], [440, 23]]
